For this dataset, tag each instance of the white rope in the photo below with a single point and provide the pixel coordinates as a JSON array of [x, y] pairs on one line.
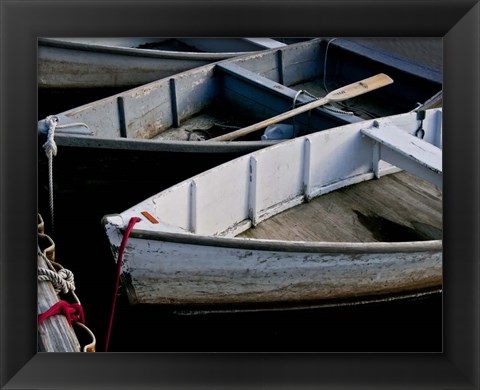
[[325, 65], [343, 105], [294, 105], [51, 150], [50, 146], [63, 280]]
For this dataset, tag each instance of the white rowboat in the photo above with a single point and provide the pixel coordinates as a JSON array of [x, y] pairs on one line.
[[296, 223]]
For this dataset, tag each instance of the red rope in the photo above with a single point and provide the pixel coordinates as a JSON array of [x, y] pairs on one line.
[[73, 312], [131, 223]]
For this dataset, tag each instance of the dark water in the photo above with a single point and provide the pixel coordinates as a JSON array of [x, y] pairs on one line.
[[55, 100], [404, 325]]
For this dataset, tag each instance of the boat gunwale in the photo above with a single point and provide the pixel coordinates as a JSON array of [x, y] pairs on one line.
[[137, 52], [287, 246], [78, 141]]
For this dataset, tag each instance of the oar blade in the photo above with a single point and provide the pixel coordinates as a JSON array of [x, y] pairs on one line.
[[359, 88]]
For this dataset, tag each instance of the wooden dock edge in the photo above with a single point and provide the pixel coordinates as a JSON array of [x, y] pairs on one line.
[[55, 334]]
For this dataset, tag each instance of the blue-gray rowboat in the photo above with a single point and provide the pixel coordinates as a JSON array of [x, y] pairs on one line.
[[129, 62], [147, 130]]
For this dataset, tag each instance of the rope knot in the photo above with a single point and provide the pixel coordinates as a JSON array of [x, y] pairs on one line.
[[50, 146], [67, 276], [62, 281], [72, 311]]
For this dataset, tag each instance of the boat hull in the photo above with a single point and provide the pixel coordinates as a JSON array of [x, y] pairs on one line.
[[115, 63], [171, 272], [204, 241]]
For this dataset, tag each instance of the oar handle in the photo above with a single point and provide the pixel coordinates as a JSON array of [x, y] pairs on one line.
[[359, 88], [347, 92]]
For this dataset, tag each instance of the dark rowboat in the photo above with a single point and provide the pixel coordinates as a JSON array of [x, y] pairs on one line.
[[129, 62], [162, 129]]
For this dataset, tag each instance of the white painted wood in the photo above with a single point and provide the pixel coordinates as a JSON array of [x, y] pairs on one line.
[[339, 154], [55, 333], [376, 159], [167, 264], [307, 160], [279, 175], [252, 190], [193, 207], [214, 275], [171, 207], [406, 151], [220, 205]]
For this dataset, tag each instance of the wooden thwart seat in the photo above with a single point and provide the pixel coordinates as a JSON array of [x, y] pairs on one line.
[[407, 152]]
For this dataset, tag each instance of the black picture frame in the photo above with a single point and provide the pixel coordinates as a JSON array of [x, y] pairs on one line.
[[457, 21]]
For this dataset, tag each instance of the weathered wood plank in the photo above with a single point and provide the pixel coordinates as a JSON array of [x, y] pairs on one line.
[[408, 152], [267, 43], [393, 207], [55, 334]]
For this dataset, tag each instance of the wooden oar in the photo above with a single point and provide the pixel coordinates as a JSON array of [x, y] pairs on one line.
[[344, 93]]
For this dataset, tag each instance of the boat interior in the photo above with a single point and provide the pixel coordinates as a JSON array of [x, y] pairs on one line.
[[362, 213], [345, 190], [215, 99]]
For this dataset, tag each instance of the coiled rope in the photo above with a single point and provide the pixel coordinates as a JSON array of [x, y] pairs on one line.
[[62, 281]]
